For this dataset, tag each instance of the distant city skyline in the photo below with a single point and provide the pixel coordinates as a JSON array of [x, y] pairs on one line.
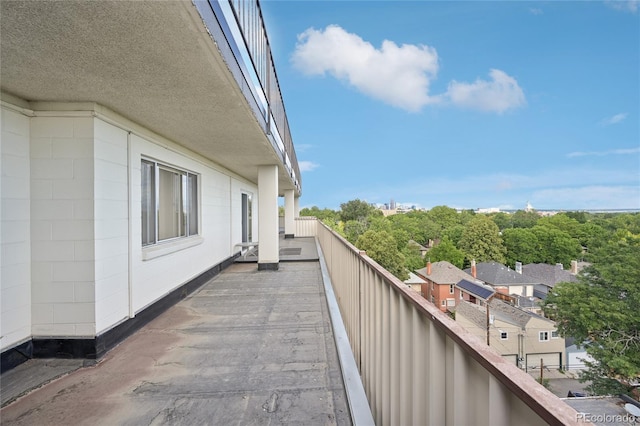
[[465, 104]]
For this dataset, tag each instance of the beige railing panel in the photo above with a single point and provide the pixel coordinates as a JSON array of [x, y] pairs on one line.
[[306, 226], [418, 366]]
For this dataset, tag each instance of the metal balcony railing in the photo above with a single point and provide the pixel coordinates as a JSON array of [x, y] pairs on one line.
[[243, 24], [418, 366]]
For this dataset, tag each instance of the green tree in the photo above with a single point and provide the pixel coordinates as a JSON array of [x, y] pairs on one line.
[[413, 260], [523, 219], [582, 217], [446, 250], [555, 246], [454, 234], [481, 240], [444, 216], [602, 309], [561, 222], [501, 219], [323, 214], [352, 229], [465, 216], [522, 246], [382, 247], [591, 235], [356, 210], [409, 223]]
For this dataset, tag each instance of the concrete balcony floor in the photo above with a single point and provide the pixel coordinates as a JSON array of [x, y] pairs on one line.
[[248, 347]]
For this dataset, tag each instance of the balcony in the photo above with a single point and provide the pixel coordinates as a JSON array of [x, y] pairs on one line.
[[247, 335], [198, 73]]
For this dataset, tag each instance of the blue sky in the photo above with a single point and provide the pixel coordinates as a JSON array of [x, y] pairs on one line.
[[477, 104]]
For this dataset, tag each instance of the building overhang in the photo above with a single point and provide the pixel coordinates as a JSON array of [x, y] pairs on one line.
[[155, 63]]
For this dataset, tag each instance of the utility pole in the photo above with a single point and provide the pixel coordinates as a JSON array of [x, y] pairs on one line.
[[488, 325]]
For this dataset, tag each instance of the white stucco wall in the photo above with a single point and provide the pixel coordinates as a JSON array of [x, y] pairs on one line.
[[15, 232], [62, 226], [220, 223], [111, 225], [72, 260]]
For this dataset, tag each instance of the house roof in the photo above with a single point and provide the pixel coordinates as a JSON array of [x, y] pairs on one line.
[[499, 310], [478, 315], [497, 274], [540, 291], [414, 279], [444, 272], [481, 291], [549, 275]]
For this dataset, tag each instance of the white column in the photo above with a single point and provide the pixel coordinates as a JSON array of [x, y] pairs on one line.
[[268, 250], [296, 206], [289, 214]]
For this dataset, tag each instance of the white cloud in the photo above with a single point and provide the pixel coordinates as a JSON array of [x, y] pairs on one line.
[[622, 151], [630, 6], [307, 166], [535, 11], [397, 75], [615, 119], [498, 95]]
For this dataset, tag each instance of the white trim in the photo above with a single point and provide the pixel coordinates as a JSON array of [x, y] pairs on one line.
[[168, 247]]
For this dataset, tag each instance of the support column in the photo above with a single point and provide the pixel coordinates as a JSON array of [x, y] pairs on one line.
[[296, 207], [268, 249], [289, 214]]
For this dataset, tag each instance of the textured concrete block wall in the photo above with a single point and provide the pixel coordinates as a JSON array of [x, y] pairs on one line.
[[111, 224], [62, 226], [15, 232]]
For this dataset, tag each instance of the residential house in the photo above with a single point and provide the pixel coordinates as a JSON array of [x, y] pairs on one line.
[[504, 279], [576, 355], [475, 292], [548, 275], [440, 283], [414, 282], [526, 339], [141, 152]]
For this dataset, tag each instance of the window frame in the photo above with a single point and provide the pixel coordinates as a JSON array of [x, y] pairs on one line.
[[505, 333], [546, 335], [187, 213], [452, 288]]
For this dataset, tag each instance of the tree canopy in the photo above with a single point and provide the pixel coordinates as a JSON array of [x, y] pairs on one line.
[[481, 240], [382, 247], [356, 210], [602, 309]]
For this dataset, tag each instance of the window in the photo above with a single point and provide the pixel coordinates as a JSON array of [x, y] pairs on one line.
[[451, 302], [544, 336], [504, 335], [554, 334], [451, 288], [169, 203], [442, 303]]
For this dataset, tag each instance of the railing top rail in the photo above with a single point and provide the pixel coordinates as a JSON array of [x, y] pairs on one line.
[[539, 399]]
